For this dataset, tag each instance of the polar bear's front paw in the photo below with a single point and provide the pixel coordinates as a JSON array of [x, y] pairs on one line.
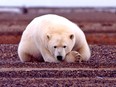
[[73, 56], [76, 55]]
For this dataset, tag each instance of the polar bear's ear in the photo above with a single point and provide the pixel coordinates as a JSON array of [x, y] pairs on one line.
[[71, 36], [48, 36]]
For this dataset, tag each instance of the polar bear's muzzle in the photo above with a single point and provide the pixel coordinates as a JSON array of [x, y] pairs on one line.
[[59, 53]]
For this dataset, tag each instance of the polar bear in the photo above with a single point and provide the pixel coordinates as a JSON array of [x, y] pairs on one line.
[[53, 38]]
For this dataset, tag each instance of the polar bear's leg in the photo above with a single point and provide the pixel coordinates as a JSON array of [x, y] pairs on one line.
[[25, 51], [85, 53], [47, 56], [24, 57]]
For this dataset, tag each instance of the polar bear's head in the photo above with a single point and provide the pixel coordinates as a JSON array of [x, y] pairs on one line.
[[59, 45]]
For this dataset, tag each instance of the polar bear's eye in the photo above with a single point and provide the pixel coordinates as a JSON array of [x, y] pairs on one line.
[[64, 46], [55, 46]]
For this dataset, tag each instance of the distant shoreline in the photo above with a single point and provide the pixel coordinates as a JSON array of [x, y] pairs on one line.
[[85, 9]]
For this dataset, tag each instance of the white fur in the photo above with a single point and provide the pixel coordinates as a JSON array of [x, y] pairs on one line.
[[45, 32]]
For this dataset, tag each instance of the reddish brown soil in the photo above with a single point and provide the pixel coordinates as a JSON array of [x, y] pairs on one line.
[[99, 27]]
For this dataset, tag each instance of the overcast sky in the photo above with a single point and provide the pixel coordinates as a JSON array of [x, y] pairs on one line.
[[59, 3]]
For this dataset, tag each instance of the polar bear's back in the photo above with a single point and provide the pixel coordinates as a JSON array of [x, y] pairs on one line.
[[51, 22], [51, 18]]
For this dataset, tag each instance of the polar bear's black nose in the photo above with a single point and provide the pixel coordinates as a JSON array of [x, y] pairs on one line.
[[59, 58]]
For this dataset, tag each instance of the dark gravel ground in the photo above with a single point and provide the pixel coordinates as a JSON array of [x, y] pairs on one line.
[[99, 71]]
